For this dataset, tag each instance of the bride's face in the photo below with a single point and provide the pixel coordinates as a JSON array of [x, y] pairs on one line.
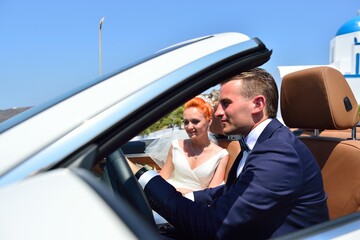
[[195, 123]]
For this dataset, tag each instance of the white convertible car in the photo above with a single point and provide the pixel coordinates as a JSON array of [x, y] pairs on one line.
[[50, 186]]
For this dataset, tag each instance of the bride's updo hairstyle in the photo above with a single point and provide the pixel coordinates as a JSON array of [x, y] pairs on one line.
[[202, 104]]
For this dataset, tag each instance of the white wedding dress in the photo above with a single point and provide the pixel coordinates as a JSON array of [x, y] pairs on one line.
[[185, 177], [194, 179]]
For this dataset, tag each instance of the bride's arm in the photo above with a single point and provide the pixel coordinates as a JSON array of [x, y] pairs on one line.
[[168, 167], [219, 175]]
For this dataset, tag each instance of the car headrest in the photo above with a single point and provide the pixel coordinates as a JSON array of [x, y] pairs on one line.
[[216, 127], [318, 98]]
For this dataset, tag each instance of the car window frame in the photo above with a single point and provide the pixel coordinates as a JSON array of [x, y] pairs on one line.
[[109, 139]]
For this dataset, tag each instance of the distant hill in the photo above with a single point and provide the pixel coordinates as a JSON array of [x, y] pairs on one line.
[[8, 113]]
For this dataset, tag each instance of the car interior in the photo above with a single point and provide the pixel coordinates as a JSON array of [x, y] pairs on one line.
[[231, 144], [115, 174]]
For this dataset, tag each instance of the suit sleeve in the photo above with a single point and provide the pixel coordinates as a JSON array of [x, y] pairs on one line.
[[207, 195], [271, 176]]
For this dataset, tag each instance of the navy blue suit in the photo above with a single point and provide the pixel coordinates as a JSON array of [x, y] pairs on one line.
[[280, 190]]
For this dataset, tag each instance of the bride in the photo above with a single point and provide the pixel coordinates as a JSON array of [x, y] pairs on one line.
[[194, 163]]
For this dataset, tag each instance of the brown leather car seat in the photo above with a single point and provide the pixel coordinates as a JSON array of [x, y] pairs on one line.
[[232, 146], [320, 98]]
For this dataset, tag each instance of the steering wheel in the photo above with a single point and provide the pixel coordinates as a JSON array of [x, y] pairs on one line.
[[126, 185]]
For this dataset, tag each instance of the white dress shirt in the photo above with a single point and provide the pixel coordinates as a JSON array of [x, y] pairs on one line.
[[250, 141]]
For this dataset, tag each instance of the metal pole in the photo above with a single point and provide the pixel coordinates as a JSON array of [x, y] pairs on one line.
[[100, 44]]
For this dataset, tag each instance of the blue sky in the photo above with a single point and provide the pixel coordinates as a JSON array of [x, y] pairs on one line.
[[49, 47]]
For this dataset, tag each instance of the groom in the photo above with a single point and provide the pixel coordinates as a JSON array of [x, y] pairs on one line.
[[276, 186]]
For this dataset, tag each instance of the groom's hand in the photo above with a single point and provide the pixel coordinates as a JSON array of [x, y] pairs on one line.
[[134, 168]]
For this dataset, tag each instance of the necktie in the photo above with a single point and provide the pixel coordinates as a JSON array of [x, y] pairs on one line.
[[232, 173]]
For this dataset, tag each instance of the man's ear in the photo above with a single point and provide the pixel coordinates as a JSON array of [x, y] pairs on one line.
[[259, 103]]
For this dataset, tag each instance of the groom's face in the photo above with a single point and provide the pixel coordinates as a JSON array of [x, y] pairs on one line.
[[234, 110]]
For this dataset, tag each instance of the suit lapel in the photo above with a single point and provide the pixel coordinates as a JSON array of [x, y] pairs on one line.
[[266, 134], [268, 131]]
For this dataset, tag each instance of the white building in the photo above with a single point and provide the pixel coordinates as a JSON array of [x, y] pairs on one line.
[[344, 55]]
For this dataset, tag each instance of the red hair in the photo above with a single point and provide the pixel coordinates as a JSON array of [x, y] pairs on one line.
[[203, 106]]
